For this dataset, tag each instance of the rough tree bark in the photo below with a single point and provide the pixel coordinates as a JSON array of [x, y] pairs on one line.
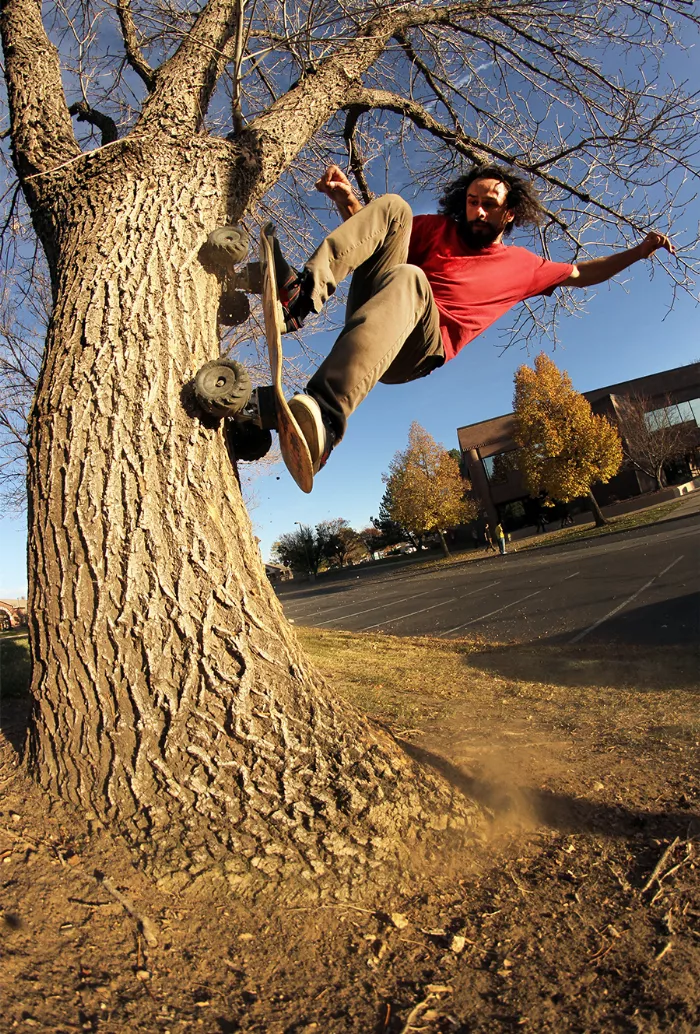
[[171, 696]]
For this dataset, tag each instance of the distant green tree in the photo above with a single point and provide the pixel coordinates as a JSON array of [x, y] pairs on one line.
[[390, 530], [301, 550], [331, 543], [456, 456], [372, 538]]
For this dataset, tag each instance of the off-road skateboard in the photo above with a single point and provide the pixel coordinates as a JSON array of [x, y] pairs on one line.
[[224, 389]]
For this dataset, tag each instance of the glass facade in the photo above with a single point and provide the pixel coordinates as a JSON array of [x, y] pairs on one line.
[[497, 468], [680, 413]]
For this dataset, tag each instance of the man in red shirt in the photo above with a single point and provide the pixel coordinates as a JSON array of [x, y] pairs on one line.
[[423, 287]]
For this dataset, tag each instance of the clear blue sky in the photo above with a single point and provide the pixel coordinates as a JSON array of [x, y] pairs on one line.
[[626, 332]]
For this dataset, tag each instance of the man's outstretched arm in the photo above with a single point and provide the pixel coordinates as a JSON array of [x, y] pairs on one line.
[[598, 270], [335, 184]]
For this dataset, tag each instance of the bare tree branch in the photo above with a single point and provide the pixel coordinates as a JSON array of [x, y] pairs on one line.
[[131, 45], [356, 162], [429, 77], [470, 148], [312, 101], [104, 123], [654, 433], [185, 83], [42, 134], [479, 152]]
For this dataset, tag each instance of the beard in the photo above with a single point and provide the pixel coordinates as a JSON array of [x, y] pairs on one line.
[[478, 235]]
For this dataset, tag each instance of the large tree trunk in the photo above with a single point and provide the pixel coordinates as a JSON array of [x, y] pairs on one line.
[[596, 511], [171, 698]]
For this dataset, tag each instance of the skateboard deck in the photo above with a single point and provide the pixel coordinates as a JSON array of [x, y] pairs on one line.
[[295, 451]]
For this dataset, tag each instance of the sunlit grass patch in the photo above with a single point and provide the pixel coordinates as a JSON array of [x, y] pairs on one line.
[[414, 682], [407, 681]]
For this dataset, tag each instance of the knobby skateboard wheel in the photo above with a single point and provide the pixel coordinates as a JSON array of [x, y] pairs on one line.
[[247, 441], [228, 245], [222, 387]]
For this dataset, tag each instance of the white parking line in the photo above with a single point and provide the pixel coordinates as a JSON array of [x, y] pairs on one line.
[[443, 603], [621, 606], [490, 614], [356, 613]]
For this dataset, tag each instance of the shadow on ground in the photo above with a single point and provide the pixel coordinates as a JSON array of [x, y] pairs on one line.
[[622, 662], [560, 811]]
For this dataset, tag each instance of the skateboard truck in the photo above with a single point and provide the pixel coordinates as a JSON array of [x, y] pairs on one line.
[[223, 387], [225, 248]]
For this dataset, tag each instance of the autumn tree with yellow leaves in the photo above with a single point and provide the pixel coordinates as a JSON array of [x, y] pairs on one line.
[[565, 448], [425, 488]]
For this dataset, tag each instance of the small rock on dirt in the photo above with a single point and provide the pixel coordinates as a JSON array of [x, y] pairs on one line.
[[399, 920]]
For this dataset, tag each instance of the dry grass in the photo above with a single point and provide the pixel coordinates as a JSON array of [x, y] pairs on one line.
[[625, 522], [402, 681], [614, 698]]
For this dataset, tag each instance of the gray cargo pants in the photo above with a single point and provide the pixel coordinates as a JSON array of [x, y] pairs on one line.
[[392, 330]]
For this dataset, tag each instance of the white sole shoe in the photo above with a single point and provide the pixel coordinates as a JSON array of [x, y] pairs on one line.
[[307, 413]]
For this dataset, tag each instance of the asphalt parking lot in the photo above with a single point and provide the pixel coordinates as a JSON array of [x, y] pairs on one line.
[[640, 587]]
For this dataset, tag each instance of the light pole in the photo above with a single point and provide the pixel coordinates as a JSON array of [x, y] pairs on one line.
[[306, 551]]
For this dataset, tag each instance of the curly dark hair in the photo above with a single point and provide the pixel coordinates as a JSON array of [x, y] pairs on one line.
[[523, 200]]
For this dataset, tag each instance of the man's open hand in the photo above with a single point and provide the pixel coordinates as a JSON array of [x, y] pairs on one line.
[[335, 185], [653, 241]]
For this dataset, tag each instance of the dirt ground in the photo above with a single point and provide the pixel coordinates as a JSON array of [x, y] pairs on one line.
[[580, 913]]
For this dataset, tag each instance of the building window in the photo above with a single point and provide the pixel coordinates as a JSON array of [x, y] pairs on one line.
[[498, 468], [681, 413]]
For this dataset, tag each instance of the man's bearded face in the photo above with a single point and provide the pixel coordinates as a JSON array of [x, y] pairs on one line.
[[487, 213]]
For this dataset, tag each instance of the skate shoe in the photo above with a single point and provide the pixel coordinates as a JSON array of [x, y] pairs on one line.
[[316, 430]]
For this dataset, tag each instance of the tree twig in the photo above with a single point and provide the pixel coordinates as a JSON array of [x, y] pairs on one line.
[[415, 1013], [659, 867], [145, 925]]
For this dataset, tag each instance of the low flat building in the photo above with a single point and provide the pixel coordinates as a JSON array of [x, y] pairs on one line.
[[488, 448], [13, 613]]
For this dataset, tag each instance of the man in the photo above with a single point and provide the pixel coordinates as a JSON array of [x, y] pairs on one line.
[[422, 288]]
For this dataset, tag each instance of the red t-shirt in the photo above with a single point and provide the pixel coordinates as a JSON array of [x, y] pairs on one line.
[[471, 287]]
